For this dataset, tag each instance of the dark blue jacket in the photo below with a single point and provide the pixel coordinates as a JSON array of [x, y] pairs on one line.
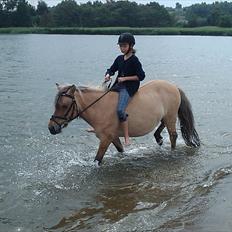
[[129, 67]]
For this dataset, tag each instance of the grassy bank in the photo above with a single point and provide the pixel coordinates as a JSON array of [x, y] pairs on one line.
[[217, 31]]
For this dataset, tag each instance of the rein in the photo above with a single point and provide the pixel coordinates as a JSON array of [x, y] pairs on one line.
[[109, 89], [80, 112]]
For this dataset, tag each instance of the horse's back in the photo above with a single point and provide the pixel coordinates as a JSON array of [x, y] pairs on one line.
[[158, 92], [150, 104], [159, 86]]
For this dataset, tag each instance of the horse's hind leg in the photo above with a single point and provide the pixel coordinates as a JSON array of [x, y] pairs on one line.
[[158, 137], [117, 143], [170, 123]]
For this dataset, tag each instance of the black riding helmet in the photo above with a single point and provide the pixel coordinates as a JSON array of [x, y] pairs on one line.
[[126, 38]]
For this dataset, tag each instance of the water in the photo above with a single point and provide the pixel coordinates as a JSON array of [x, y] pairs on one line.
[[50, 183]]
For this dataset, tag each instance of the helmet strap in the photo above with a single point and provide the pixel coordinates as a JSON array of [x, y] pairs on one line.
[[130, 49]]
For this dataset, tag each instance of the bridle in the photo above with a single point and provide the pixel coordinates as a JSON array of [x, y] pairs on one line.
[[73, 106]]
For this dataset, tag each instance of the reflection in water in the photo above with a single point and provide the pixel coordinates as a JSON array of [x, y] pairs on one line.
[[148, 183], [78, 220]]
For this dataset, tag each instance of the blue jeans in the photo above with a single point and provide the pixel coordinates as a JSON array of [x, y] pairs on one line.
[[123, 100]]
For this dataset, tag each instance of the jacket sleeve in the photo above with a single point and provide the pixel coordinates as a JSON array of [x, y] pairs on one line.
[[114, 67], [139, 70]]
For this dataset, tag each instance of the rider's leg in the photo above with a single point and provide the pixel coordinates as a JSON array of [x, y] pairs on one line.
[[123, 101]]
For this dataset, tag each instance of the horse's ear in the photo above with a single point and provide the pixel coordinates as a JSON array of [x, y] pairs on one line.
[[73, 88], [58, 86]]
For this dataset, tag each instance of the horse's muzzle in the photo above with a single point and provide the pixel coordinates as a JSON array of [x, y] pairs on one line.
[[54, 129]]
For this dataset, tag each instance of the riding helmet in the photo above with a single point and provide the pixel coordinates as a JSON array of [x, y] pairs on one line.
[[126, 38]]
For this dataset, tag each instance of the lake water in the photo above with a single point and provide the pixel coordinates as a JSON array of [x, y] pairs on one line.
[[50, 183]]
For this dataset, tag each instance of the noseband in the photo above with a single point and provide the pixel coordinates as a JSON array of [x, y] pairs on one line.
[[72, 107]]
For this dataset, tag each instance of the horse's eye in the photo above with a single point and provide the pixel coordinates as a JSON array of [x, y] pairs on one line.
[[64, 106], [57, 105], [60, 106]]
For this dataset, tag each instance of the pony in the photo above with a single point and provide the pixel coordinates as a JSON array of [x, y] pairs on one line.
[[156, 103]]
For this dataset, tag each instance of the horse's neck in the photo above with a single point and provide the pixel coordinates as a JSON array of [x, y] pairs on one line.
[[84, 100]]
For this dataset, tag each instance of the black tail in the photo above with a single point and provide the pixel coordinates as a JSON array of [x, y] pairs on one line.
[[186, 119]]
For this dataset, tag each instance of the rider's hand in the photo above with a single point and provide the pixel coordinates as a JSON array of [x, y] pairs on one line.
[[107, 77], [121, 79]]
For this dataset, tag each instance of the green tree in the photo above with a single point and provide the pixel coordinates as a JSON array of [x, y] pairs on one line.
[[44, 17], [214, 17], [66, 14], [42, 8], [197, 14], [9, 5], [216, 14], [178, 6], [23, 14], [86, 15], [225, 21], [153, 15]]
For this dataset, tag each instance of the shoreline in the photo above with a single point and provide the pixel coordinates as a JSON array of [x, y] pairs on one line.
[[204, 31]]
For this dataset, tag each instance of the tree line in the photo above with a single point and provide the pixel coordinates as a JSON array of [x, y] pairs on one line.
[[19, 13], [216, 14]]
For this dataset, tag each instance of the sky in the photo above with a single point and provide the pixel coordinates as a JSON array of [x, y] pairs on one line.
[[167, 3]]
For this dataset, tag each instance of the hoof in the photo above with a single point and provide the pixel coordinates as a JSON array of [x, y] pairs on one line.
[[90, 130], [120, 149], [159, 140], [99, 162]]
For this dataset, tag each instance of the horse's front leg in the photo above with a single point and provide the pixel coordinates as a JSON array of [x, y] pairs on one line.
[[117, 143], [103, 146]]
